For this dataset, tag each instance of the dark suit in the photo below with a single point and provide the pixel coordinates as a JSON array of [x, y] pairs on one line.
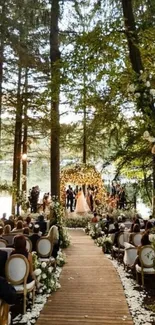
[[43, 226], [7, 292], [34, 238], [3, 258]]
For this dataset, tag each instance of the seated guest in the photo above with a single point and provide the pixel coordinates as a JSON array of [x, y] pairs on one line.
[[7, 292], [135, 222], [42, 224], [19, 227], [34, 238], [20, 248], [10, 222], [121, 230], [136, 229], [7, 230], [116, 228], [94, 219], [27, 221], [1, 232], [26, 231], [3, 258], [53, 235], [148, 226]]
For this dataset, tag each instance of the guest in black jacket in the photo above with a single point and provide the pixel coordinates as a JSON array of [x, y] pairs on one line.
[[7, 292], [42, 224], [34, 238], [3, 258]]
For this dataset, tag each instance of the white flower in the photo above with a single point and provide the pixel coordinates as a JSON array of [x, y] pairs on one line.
[[52, 282], [40, 290], [43, 265], [146, 135], [131, 88], [49, 291], [50, 269], [148, 84], [152, 92], [137, 95], [44, 276], [37, 272]]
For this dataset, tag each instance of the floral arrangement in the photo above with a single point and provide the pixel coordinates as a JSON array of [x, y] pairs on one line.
[[57, 217], [61, 258], [46, 275], [78, 222], [107, 245], [94, 230]]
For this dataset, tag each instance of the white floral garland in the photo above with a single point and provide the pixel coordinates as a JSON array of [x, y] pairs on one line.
[[134, 297]]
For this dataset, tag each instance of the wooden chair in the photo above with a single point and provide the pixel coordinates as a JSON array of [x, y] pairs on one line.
[[146, 257], [130, 255], [120, 249], [4, 313], [28, 244], [17, 271], [3, 243], [44, 249], [136, 239]]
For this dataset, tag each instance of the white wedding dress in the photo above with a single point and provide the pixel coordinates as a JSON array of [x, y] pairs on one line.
[[81, 204]]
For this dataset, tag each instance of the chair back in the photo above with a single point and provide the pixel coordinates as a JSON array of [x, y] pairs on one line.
[[136, 239], [44, 247], [28, 244], [111, 226], [17, 269], [121, 240], [3, 243], [130, 256], [146, 256]]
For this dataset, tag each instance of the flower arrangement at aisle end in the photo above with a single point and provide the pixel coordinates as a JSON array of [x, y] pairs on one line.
[[94, 230], [107, 245], [61, 258], [46, 275], [57, 217]]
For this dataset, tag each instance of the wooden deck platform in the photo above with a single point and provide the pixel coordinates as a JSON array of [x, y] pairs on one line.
[[91, 292]]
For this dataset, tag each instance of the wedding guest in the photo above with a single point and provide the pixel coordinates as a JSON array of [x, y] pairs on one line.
[[94, 219], [53, 235], [121, 230], [136, 229], [10, 222], [7, 292], [34, 237], [26, 231], [7, 230], [115, 229], [19, 227], [27, 221], [1, 232], [3, 259], [42, 224], [20, 248]]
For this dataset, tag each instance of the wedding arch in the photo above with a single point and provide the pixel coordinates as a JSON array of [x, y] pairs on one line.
[[82, 174]]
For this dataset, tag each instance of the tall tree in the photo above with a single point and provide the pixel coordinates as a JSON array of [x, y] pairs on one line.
[[55, 93]]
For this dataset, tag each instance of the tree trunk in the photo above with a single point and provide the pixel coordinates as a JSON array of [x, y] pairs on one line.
[[2, 31], [24, 161], [132, 37], [145, 105], [55, 91], [17, 145]]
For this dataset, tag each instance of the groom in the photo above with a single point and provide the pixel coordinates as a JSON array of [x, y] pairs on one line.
[[71, 198]]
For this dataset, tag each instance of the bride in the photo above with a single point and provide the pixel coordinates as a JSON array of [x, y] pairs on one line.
[[81, 204]]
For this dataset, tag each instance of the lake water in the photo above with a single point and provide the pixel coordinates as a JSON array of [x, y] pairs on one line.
[[6, 201]]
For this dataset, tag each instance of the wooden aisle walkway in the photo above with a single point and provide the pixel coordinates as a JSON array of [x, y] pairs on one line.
[[91, 292]]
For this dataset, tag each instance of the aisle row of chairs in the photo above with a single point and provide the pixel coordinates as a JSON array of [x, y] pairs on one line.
[[127, 253], [17, 271]]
